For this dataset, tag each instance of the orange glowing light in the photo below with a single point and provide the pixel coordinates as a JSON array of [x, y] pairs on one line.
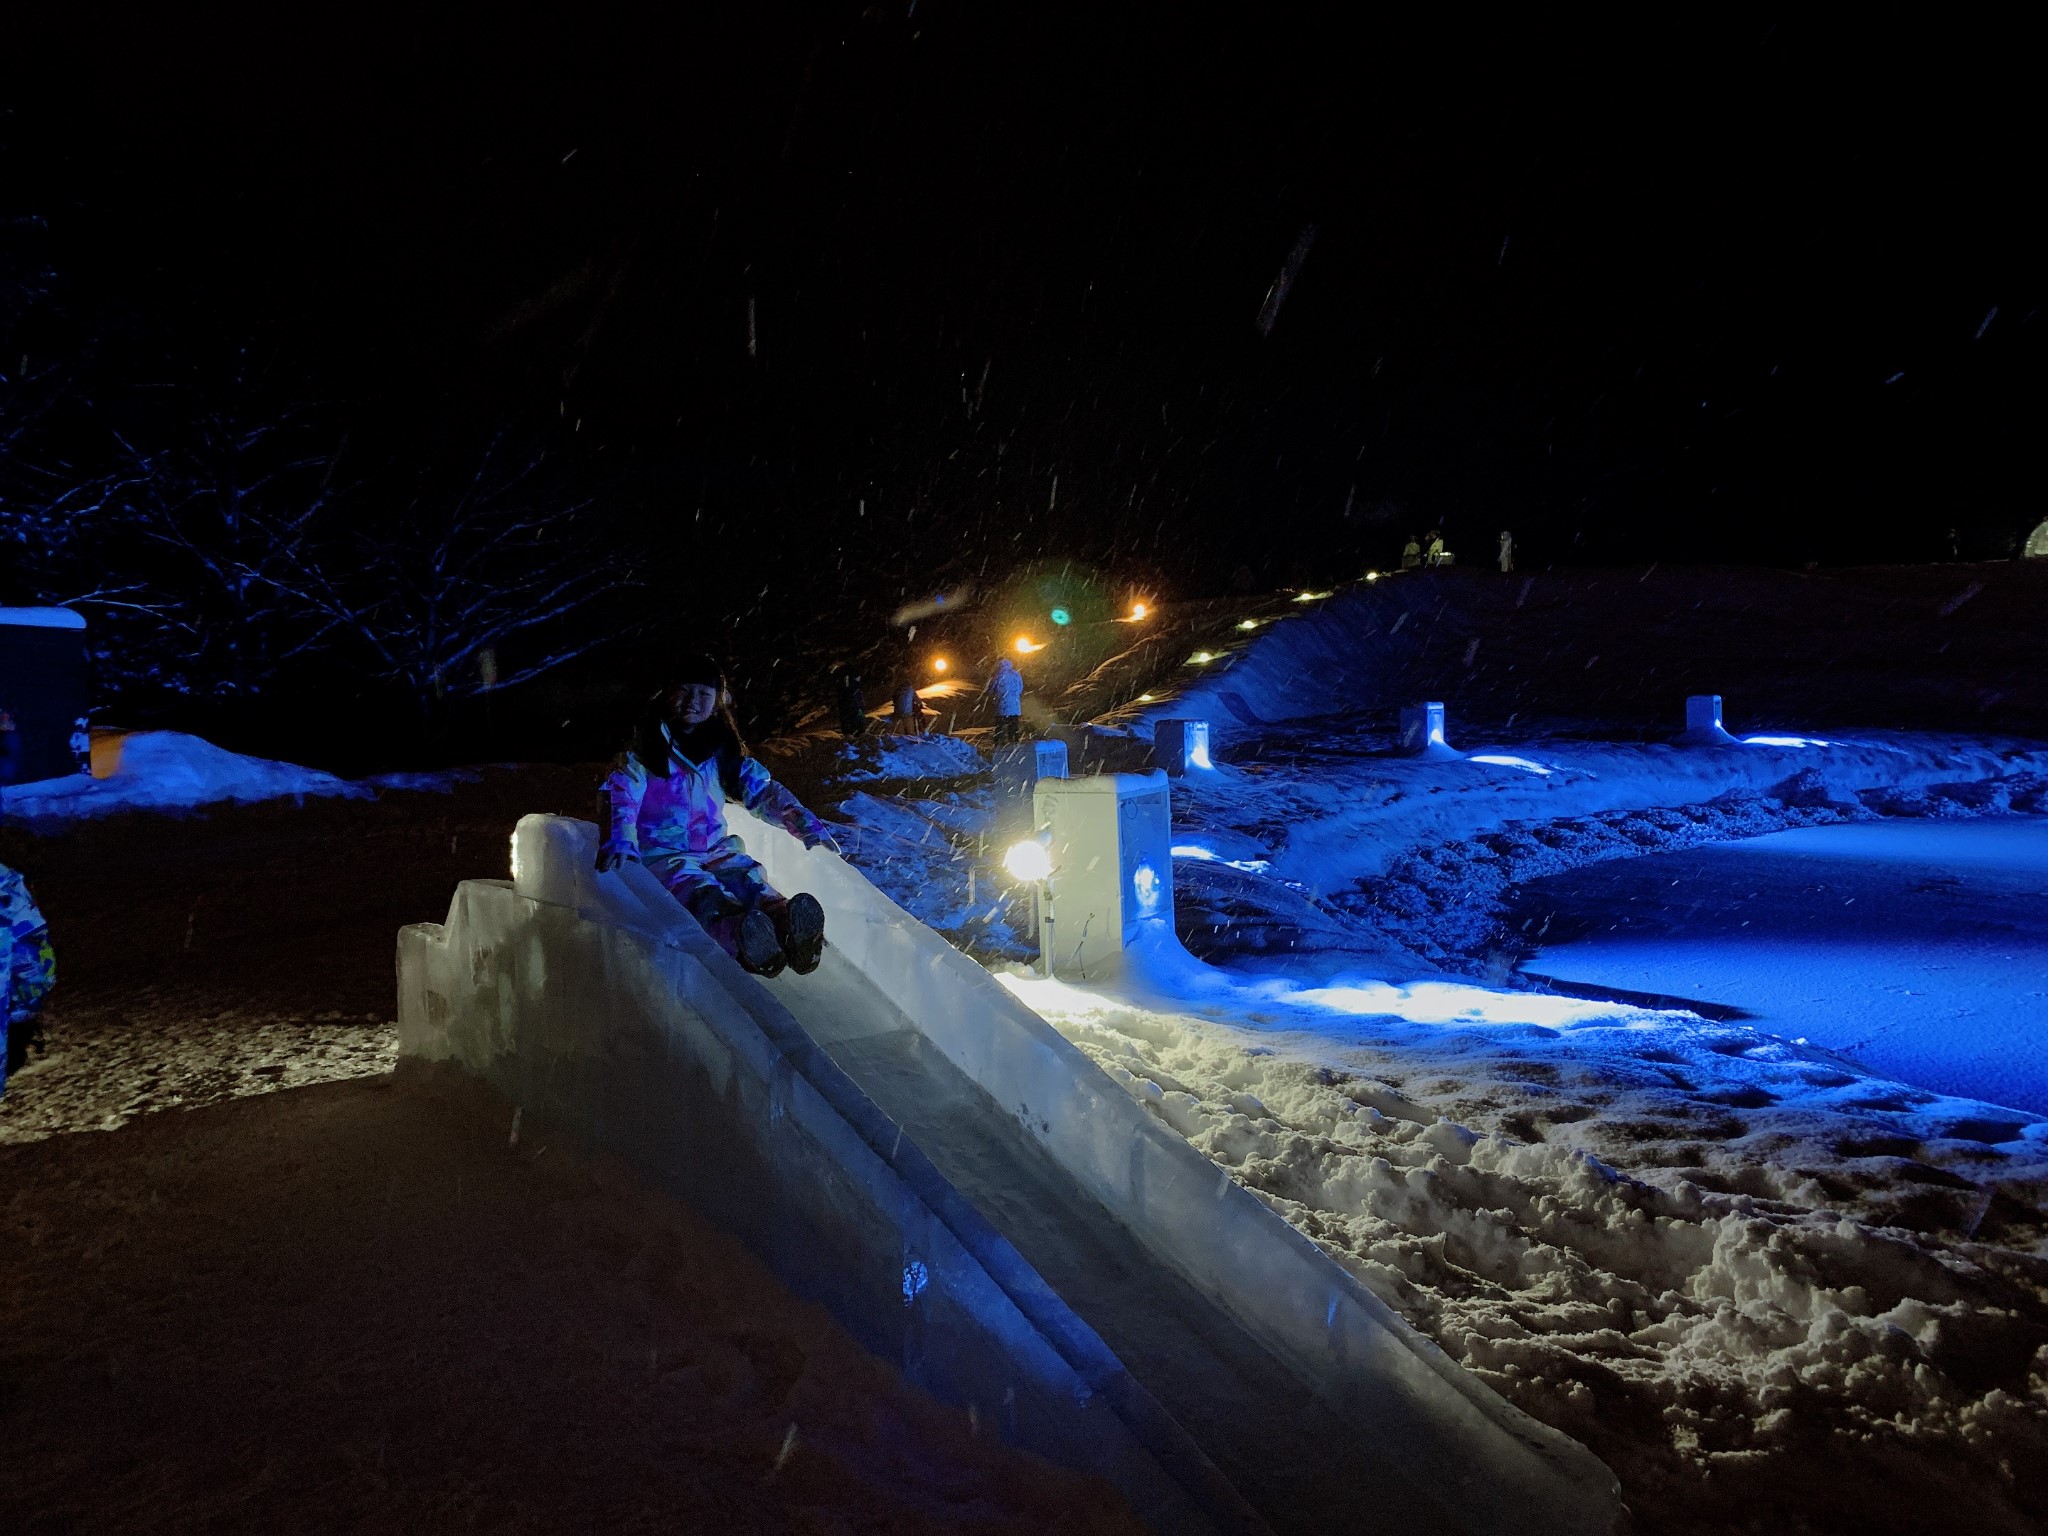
[[1139, 610], [1026, 645], [939, 663]]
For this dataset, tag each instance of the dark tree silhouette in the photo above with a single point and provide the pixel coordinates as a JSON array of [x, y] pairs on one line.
[[482, 585]]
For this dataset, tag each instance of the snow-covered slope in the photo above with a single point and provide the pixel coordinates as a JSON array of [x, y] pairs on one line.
[[1941, 647]]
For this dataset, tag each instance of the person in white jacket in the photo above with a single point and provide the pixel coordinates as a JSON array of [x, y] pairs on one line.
[[666, 800], [1008, 688]]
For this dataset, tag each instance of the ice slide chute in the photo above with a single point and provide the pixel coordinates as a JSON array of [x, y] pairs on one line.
[[908, 1143]]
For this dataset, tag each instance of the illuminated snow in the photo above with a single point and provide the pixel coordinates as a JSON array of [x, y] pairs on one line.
[[1501, 760]]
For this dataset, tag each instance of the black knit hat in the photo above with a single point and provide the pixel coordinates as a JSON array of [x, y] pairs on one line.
[[688, 670]]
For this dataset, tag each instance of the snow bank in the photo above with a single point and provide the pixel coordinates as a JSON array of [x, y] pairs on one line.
[[1315, 662], [1342, 810], [173, 771], [878, 759], [43, 618], [1718, 1340], [167, 771]]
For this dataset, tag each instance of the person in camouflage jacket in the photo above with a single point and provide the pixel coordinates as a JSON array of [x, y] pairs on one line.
[[665, 805], [28, 969]]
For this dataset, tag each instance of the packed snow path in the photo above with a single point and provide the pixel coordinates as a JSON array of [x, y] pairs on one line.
[[1919, 949]]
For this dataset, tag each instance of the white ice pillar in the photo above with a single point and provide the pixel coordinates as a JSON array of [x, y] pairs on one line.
[[1111, 842], [1422, 732], [1018, 768], [1178, 745], [1703, 726]]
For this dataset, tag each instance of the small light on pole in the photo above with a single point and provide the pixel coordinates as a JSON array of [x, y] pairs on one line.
[[939, 664], [1030, 862], [1139, 610]]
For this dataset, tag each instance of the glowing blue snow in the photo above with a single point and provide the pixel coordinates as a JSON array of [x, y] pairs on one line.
[[1501, 760], [1206, 855], [1783, 741], [1917, 948]]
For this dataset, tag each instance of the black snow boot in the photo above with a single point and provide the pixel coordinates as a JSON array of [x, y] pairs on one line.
[[760, 951], [805, 942]]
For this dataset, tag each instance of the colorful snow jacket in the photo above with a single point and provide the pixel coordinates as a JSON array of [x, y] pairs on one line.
[[683, 811], [28, 967]]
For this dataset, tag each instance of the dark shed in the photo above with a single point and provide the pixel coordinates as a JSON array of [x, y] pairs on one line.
[[44, 687]]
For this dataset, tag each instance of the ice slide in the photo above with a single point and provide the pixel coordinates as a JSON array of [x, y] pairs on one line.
[[909, 1144]]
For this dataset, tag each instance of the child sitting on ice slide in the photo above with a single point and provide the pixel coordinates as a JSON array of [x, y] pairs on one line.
[[666, 810]]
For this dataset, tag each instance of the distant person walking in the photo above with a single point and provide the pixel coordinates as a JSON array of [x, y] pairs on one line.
[[853, 709], [1411, 553], [1507, 551], [909, 710], [1008, 688]]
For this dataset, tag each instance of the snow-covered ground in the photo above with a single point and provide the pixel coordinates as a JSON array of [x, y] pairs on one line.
[[110, 1064], [1742, 1265], [1677, 1240], [1918, 948]]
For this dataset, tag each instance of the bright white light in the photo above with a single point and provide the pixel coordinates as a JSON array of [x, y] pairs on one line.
[[1500, 761], [1144, 698], [1146, 885], [1372, 575], [1200, 756], [1783, 741], [1026, 645], [1028, 860], [1201, 658], [1310, 597], [1248, 624], [939, 663], [1139, 610]]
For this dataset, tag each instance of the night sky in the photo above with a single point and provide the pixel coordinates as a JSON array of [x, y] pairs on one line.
[[823, 299]]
